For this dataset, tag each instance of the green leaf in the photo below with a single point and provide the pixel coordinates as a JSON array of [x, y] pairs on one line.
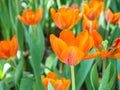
[[35, 41], [3, 86], [118, 72], [105, 79], [26, 84], [50, 87], [18, 73], [88, 82], [50, 63], [81, 74], [94, 77]]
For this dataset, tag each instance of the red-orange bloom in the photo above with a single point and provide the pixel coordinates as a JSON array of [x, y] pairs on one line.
[[58, 84], [8, 48], [31, 18], [92, 9], [111, 17], [70, 49], [113, 51], [66, 17]]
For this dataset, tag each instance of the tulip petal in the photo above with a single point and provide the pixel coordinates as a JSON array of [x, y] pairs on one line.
[[93, 55], [97, 39], [71, 55], [68, 37], [57, 45], [81, 39]]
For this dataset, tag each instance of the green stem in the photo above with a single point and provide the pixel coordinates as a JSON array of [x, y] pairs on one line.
[[104, 65], [61, 65], [73, 77]]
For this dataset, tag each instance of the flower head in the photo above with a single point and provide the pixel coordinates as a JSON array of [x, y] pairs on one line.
[[31, 18], [92, 9], [58, 84], [8, 48], [87, 24], [70, 49], [66, 17], [111, 17]]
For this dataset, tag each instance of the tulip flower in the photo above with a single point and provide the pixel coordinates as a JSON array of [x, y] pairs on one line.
[[70, 49], [66, 17], [8, 48], [113, 51], [31, 18], [88, 25], [92, 9], [92, 27], [111, 17], [58, 84]]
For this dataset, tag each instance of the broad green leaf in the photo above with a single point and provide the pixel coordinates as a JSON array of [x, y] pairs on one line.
[[26, 84], [118, 72], [50, 63], [3, 86], [35, 41], [18, 73], [105, 79], [94, 77], [81, 74], [88, 82]]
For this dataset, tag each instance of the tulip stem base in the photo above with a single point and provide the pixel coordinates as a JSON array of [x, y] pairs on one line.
[[73, 77], [104, 65]]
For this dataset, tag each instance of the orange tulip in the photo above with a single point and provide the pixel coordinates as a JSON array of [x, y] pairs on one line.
[[70, 49], [8, 48], [92, 9], [92, 27], [58, 84], [66, 17], [111, 17], [119, 77], [87, 24], [31, 18]]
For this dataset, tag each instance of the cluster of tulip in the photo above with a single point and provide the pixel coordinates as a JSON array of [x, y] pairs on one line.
[[68, 47]]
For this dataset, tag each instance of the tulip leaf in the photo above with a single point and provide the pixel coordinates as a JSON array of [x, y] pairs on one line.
[[35, 40], [26, 84], [94, 77], [50, 63], [81, 74], [50, 87], [18, 73], [88, 82], [3, 86], [105, 79], [118, 72]]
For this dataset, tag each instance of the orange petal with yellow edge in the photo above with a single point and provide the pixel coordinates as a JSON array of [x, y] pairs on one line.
[[57, 45], [81, 39], [68, 37], [71, 55], [93, 55], [115, 55], [97, 39], [14, 43], [119, 77], [88, 45]]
